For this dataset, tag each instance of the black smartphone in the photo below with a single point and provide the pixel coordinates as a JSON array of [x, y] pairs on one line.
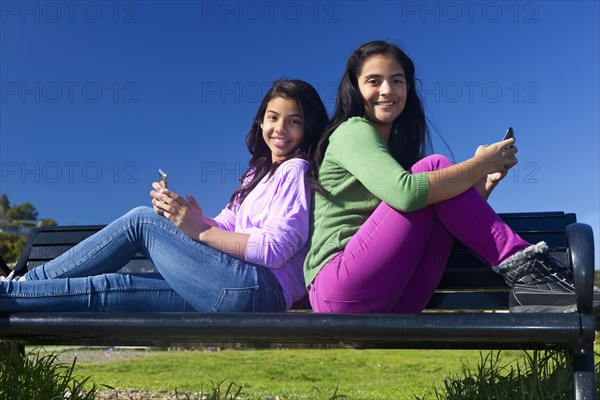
[[162, 178], [509, 134]]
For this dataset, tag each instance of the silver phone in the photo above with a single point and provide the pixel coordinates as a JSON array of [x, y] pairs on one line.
[[163, 179]]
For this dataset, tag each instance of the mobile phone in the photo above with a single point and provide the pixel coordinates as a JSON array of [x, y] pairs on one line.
[[509, 134], [162, 178]]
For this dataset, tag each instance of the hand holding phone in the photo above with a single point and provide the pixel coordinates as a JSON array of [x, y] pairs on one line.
[[509, 134], [162, 178]]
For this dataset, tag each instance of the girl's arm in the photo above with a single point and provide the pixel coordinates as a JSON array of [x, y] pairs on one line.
[[282, 228], [187, 215], [222, 239], [232, 243], [488, 160], [357, 147], [210, 221], [278, 211]]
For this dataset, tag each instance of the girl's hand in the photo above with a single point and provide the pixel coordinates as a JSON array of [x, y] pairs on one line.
[[487, 184], [507, 161], [155, 202], [187, 214], [496, 177], [497, 159]]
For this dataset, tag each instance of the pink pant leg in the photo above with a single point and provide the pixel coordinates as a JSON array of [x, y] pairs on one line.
[[395, 260], [427, 274], [373, 271]]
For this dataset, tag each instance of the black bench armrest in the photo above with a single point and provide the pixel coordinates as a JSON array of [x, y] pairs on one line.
[[581, 243]]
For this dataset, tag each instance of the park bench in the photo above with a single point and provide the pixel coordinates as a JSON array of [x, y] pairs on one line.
[[468, 310]]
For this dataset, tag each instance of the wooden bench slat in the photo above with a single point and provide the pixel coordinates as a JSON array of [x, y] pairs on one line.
[[539, 224], [71, 237], [471, 278], [483, 300], [47, 253], [135, 266]]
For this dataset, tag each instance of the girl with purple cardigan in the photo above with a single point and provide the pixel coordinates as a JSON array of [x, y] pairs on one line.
[[248, 258]]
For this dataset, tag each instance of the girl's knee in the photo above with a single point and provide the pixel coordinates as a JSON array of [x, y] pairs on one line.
[[433, 162], [141, 214], [141, 211]]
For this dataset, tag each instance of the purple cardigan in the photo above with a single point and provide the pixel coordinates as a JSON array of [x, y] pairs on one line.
[[276, 215]]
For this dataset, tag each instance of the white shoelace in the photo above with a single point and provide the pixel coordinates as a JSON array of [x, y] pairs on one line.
[[10, 277]]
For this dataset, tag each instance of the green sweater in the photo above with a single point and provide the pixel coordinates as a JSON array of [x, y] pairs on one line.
[[358, 173]]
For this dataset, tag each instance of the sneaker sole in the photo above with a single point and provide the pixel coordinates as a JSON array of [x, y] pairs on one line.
[[530, 300], [540, 308]]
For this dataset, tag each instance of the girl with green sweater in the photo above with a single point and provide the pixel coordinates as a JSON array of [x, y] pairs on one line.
[[383, 228]]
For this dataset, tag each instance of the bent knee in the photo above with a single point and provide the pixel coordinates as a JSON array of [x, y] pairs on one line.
[[141, 213], [141, 210], [433, 162]]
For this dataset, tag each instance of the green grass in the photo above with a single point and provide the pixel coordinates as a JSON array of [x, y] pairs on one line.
[[543, 375], [39, 377], [293, 374]]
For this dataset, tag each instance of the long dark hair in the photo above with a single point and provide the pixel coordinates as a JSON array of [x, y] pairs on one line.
[[409, 139], [315, 121]]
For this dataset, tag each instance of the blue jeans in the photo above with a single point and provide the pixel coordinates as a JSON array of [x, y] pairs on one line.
[[192, 276]]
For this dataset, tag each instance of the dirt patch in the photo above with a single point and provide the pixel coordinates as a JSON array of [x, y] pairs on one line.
[[118, 394], [101, 355]]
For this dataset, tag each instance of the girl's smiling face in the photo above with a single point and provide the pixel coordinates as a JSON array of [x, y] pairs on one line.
[[282, 128], [382, 84]]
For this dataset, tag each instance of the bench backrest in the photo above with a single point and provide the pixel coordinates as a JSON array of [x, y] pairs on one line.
[[466, 284]]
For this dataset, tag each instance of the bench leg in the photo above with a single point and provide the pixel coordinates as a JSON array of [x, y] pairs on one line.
[[584, 375]]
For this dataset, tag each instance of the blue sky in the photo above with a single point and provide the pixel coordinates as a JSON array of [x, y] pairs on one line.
[[97, 95]]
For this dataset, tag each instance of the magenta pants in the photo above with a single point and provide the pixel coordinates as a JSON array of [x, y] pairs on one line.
[[396, 259]]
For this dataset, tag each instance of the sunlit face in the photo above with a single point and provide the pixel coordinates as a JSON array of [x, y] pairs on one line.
[[382, 83], [283, 128]]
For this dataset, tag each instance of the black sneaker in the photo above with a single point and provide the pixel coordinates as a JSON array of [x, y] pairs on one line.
[[538, 283], [523, 298], [543, 287]]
